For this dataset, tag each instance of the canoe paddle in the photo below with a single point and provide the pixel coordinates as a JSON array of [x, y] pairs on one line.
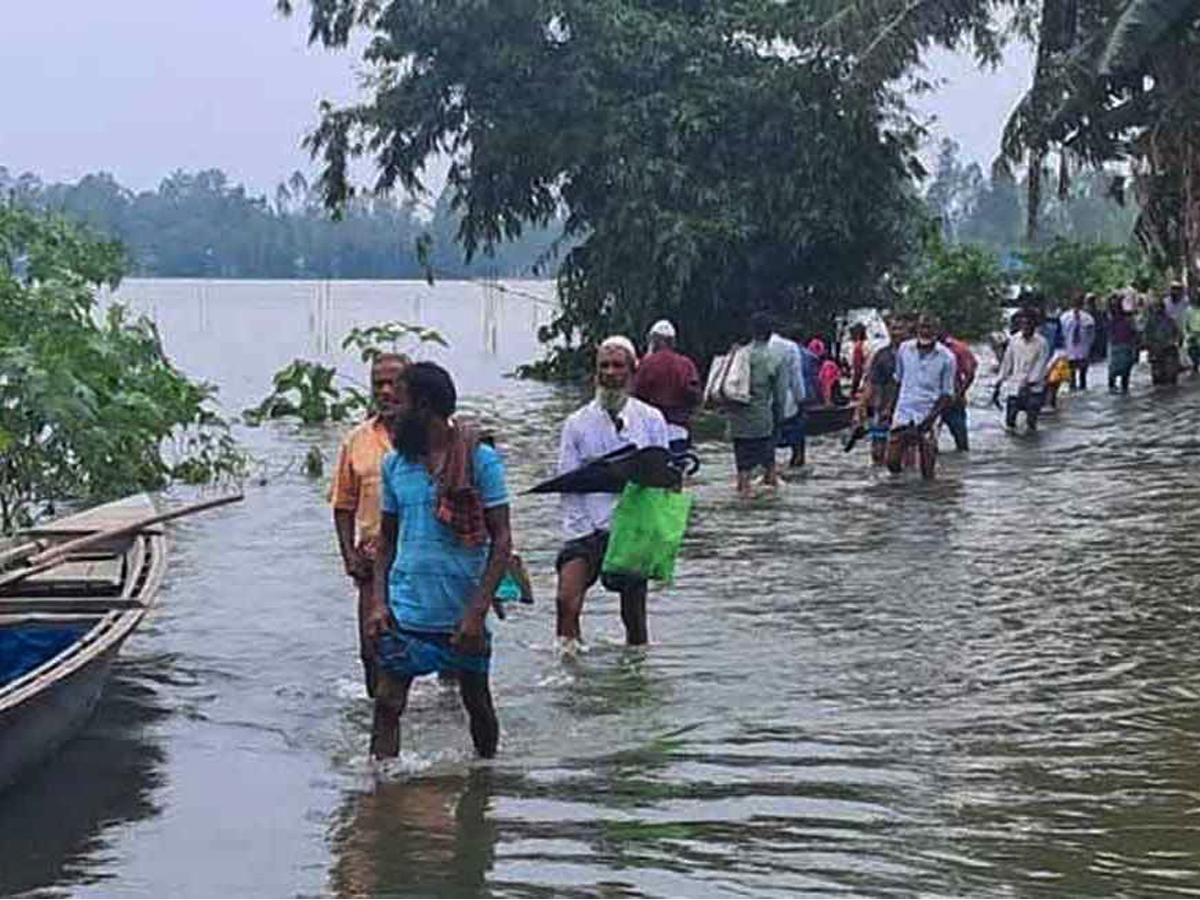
[[48, 559]]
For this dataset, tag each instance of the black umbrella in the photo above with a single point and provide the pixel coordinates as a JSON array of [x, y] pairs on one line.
[[648, 466]]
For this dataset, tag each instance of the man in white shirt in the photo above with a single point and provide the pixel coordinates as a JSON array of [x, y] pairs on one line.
[[791, 426], [611, 421], [1024, 367], [1079, 331], [925, 370]]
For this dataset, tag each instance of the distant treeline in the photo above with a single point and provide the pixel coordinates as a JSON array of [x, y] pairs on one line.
[[200, 225]]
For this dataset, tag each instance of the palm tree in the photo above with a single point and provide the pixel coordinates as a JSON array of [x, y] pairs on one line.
[[1118, 81]]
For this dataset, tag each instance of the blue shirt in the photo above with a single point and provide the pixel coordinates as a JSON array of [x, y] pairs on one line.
[[434, 575], [924, 379]]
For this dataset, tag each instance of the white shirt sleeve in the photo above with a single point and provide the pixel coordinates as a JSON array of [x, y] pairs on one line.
[[658, 430], [574, 506]]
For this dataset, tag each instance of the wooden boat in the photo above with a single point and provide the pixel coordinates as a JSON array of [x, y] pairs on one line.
[[61, 629]]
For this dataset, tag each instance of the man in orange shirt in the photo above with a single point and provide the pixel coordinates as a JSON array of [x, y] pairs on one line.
[[355, 492]]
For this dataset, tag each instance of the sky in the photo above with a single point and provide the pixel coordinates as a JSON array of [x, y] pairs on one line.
[[139, 88]]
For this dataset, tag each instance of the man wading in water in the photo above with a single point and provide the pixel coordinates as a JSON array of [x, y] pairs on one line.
[[445, 500], [1024, 369], [753, 425], [880, 388], [611, 421], [925, 370], [668, 381], [354, 494]]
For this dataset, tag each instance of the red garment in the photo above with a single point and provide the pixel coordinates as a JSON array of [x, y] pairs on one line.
[[828, 377], [858, 363], [965, 363], [669, 381], [458, 505]]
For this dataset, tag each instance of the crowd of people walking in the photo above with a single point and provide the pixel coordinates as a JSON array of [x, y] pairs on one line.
[[421, 503]]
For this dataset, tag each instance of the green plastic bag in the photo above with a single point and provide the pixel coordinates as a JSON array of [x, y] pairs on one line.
[[647, 529]]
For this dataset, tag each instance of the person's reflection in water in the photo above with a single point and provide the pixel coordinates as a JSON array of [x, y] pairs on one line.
[[423, 838]]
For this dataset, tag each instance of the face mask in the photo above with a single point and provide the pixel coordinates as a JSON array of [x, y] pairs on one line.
[[924, 343]]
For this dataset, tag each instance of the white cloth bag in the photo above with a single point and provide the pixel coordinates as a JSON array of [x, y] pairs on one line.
[[729, 377]]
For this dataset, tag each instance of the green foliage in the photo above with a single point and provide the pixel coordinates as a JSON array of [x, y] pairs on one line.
[[200, 225], [90, 406], [960, 284], [974, 208], [1064, 268], [393, 337], [1119, 81], [305, 390], [1140, 26], [704, 169]]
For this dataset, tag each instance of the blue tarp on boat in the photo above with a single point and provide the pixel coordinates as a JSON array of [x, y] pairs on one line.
[[23, 649]]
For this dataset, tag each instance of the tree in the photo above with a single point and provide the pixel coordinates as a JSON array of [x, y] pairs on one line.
[[199, 224], [1119, 81], [90, 406], [1063, 268], [704, 167], [954, 189], [961, 285]]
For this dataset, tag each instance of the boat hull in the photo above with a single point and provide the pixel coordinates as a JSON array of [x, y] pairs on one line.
[[104, 594], [33, 730]]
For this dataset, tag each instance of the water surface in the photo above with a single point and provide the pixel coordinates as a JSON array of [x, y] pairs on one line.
[[985, 686]]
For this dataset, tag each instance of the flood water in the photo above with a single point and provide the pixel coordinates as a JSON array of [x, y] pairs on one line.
[[987, 686]]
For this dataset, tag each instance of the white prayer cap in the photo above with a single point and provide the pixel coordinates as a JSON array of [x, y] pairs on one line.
[[662, 328], [623, 343]]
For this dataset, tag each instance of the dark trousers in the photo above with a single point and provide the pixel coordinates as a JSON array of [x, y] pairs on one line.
[[1164, 366], [1028, 402], [1079, 369], [955, 417]]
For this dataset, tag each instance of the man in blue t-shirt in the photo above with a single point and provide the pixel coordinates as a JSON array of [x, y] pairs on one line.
[[443, 500]]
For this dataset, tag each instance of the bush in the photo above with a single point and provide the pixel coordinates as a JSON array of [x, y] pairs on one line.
[[1062, 268], [961, 284], [90, 407]]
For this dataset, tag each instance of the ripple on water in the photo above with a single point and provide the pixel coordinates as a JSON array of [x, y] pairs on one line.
[[862, 686]]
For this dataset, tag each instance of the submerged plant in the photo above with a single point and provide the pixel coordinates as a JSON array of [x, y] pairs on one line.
[[307, 391]]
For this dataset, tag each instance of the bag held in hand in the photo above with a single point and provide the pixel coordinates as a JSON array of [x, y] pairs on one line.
[[729, 377], [648, 525]]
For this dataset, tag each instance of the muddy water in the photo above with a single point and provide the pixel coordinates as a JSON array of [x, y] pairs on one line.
[[984, 686]]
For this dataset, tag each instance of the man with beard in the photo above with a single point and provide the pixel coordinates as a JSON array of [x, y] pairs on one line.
[[354, 493], [609, 422], [444, 499], [925, 370]]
